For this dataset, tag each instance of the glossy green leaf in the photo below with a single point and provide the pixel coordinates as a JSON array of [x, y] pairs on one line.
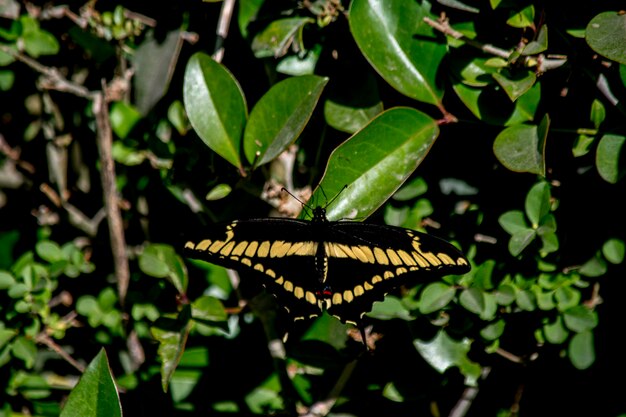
[[609, 159], [275, 39], [95, 395], [614, 250], [435, 296], [581, 350], [375, 162], [555, 332], [279, 117], [247, 12], [301, 64], [491, 105], [537, 204], [580, 319], [597, 114], [513, 222], [521, 148], [482, 278], [606, 34], [472, 71], [353, 103], [515, 84], [522, 18], [400, 46], [215, 106], [443, 352], [49, 251]]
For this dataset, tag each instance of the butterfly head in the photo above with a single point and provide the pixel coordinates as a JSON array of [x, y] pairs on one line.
[[319, 215]]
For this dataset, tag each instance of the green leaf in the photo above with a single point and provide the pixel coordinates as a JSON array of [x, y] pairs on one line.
[[6, 280], [161, 261], [154, 63], [411, 189], [127, 155], [581, 350], [614, 250], [520, 241], [493, 330], [491, 106], [279, 117], [275, 39], [123, 117], [37, 41], [49, 251], [521, 148], [472, 299], [594, 267], [400, 46], [555, 333], [7, 78], [443, 352], [435, 296], [567, 297], [598, 113], [537, 203], [218, 192], [522, 18], [540, 44], [483, 274], [580, 319], [301, 64], [606, 34], [266, 397], [505, 294], [609, 159], [248, 10], [177, 117], [95, 395], [172, 337], [375, 162], [390, 308], [208, 308], [215, 106], [525, 300], [515, 84], [513, 222], [25, 349]]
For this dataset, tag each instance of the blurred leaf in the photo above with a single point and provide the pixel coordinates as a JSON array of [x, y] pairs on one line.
[[265, 397], [6, 79], [402, 48], [594, 267], [539, 44], [275, 39], [127, 155], [473, 300], [301, 64], [247, 12], [172, 339], [526, 300], [520, 241], [49, 251], [598, 113], [435, 296], [411, 189], [25, 349], [567, 297], [513, 222], [581, 350], [614, 250], [493, 330], [555, 332], [538, 203], [609, 158], [123, 117], [215, 106], [154, 63], [161, 261], [443, 352], [279, 117], [373, 163], [95, 395], [505, 295], [606, 34], [37, 41], [209, 309], [580, 319], [218, 192], [390, 308], [6, 280], [522, 18], [178, 117]]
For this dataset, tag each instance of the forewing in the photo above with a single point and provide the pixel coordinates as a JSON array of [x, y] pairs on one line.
[[278, 251]]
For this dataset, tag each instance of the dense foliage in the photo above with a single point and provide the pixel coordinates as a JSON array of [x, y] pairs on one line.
[[129, 127]]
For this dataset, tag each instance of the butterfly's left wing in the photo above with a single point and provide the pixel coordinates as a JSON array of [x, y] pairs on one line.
[[366, 261], [278, 252]]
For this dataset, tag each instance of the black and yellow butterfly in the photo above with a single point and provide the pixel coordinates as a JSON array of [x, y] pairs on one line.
[[341, 267]]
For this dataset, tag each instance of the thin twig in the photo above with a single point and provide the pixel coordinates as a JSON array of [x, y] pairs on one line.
[[111, 198], [462, 406], [223, 23], [322, 408], [46, 340]]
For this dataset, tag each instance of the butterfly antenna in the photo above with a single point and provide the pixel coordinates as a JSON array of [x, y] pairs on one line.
[[335, 197], [305, 206]]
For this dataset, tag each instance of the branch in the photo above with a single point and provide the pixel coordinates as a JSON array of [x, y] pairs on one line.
[[223, 23], [111, 198]]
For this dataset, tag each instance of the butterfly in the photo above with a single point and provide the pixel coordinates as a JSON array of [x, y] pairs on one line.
[[341, 267]]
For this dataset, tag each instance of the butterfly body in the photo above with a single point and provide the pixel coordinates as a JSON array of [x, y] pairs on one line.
[[319, 265]]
